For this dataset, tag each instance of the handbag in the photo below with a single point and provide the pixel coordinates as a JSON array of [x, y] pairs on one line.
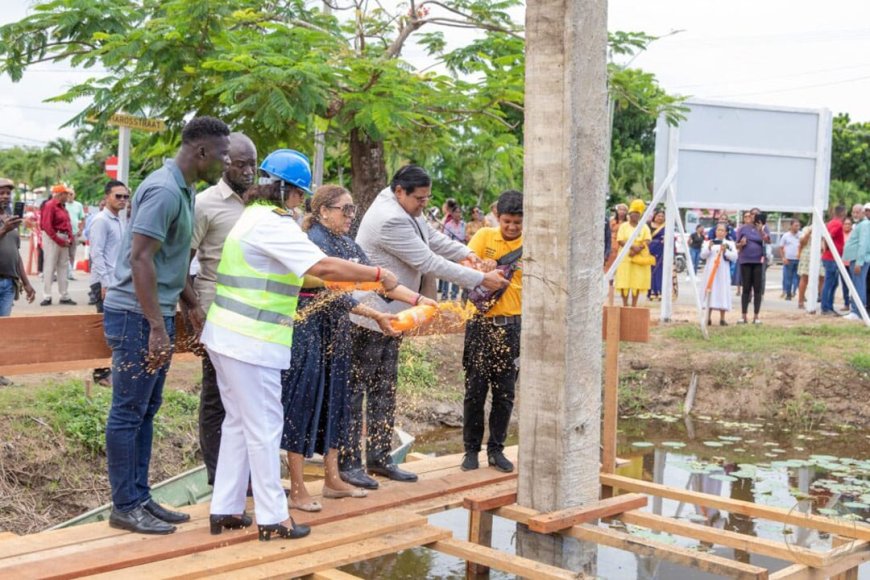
[[484, 299], [644, 259]]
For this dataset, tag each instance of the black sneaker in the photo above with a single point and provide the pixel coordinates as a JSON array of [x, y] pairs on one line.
[[500, 462], [46, 302], [68, 301], [469, 462]]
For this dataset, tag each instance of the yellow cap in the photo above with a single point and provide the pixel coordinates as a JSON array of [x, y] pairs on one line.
[[637, 206]]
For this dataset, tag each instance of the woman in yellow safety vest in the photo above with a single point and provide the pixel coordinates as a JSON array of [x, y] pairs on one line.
[[248, 336]]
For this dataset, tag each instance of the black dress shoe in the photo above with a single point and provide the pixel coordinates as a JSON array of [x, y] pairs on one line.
[[250, 491], [161, 513], [68, 302], [392, 471], [294, 532], [45, 302], [469, 462], [497, 460], [358, 478], [139, 521], [217, 522]]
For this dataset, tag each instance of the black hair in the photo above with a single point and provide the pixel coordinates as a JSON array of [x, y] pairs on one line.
[[840, 210], [203, 127], [451, 204], [699, 226], [510, 202], [410, 177], [112, 183], [270, 193]]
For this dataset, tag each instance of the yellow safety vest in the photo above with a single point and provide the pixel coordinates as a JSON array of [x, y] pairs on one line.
[[248, 301]]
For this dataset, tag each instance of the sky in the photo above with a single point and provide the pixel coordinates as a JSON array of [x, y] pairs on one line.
[[802, 53]]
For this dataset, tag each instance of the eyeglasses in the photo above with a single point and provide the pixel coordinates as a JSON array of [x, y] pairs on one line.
[[348, 210], [122, 196]]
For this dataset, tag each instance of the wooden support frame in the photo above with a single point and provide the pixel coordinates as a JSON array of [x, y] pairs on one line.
[[479, 534], [510, 563], [562, 519], [849, 530], [623, 541]]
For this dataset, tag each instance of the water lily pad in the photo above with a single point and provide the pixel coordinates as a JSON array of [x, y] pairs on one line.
[[740, 450], [642, 444], [730, 438], [858, 505], [723, 477], [777, 450], [674, 444], [828, 512], [713, 443]]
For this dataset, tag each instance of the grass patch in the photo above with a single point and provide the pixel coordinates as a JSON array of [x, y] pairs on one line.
[[632, 395], [768, 339], [860, 362], [418, 374], [82, 420]]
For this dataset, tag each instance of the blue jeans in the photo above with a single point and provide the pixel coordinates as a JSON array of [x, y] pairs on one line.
[[860, 282], [7, 295], [695, 254], [832, 280], [136, 397], [790, 278]]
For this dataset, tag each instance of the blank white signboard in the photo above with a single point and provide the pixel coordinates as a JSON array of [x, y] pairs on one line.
[[735, 156]]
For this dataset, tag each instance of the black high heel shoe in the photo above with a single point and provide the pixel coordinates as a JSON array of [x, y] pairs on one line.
[[217, 522], [294, 532]]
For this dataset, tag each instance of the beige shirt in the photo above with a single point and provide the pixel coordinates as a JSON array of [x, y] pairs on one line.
[[217, 210]]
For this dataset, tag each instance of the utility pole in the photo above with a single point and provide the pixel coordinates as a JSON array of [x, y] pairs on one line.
[[566, 167]]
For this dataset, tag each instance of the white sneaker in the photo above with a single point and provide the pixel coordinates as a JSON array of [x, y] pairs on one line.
[[852, 316]]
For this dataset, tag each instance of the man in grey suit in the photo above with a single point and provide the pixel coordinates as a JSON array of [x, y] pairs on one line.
[[395, 235]]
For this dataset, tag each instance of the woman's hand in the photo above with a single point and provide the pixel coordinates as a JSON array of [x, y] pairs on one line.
[[384, 319], [389, 280]]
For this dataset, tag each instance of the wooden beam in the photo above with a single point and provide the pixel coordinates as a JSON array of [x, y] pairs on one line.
[[646, 547], [331, 537], [480, 502], [752, 544], [610, 401], [634, 324], [841, 548], [847, 529], [559, 520], [331, 575], [479, 533], [503, 561], [327, 559]]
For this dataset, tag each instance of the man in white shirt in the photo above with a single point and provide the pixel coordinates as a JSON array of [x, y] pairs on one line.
[[217, 210], [790, 245], [77, 218], [105, 235]]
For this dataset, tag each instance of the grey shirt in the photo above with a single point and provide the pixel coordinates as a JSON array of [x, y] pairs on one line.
[[105, 236], [9, 245], [162, 210]]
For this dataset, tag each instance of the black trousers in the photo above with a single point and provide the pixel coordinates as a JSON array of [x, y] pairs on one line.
[[373, 377], [97, 293], [752, 278], [211, 417], [490, 363]]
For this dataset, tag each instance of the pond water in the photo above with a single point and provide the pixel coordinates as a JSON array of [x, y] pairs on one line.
[[825, 471]]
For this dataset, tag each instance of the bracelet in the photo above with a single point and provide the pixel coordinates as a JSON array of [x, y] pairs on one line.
[[417, 301], [378, 274]]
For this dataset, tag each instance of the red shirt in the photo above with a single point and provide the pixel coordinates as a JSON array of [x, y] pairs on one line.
[[54, 221], [835, 228]]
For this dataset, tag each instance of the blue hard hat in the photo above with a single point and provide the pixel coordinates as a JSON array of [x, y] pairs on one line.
[[290, 166]]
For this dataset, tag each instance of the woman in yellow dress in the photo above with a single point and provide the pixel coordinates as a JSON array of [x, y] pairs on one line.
[[635, 271]]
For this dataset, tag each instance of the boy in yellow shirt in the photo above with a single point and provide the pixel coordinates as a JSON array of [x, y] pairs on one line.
[[492, 338]]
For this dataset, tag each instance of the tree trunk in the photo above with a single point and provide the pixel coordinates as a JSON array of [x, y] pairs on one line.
[[566, 165], [369, 172]]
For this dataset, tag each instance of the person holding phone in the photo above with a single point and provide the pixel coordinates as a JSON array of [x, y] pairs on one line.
[[13, 275]]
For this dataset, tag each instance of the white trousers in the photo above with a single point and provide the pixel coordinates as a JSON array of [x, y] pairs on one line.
[[55, 259], [250, 440]]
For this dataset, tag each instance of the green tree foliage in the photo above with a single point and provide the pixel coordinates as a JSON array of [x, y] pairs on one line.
[[279, 69], [850, 152]]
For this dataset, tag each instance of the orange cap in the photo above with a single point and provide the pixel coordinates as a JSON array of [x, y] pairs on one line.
[[59, 188]]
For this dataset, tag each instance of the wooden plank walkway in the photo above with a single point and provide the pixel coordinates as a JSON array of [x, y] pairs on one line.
[[390, 512]]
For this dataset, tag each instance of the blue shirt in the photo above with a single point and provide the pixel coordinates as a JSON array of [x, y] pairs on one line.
[[106, 238], [857, 247], [162, 210]]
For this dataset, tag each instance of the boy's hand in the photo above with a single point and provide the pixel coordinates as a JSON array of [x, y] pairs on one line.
[[488, 265]]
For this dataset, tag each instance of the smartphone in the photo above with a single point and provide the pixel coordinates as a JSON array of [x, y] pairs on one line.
[[18, 210]]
